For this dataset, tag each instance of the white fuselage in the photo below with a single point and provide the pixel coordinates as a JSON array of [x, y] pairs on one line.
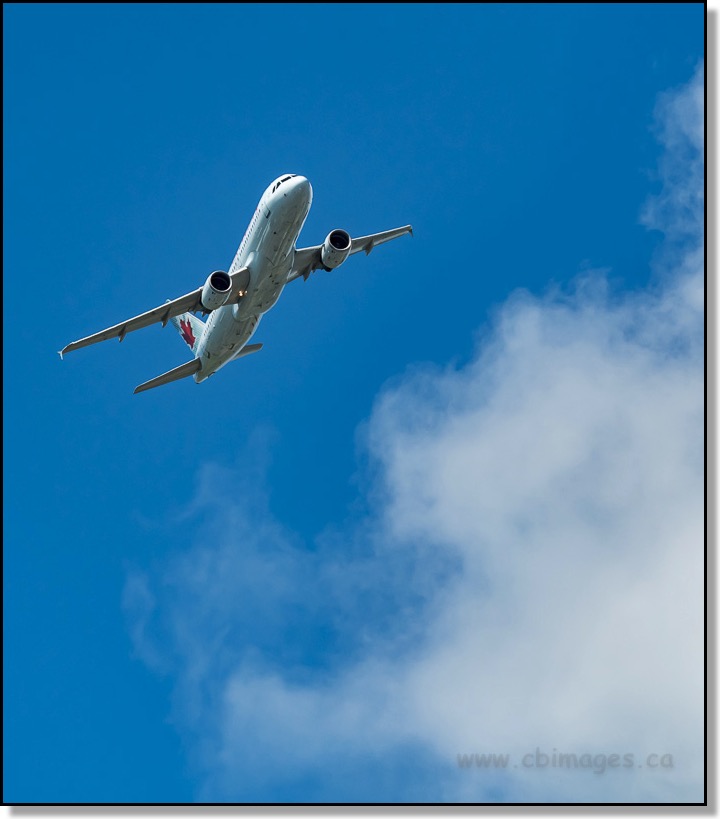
[[267, 250]]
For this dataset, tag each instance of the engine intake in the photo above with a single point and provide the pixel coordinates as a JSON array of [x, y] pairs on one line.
[[335, 249], [216, 290]]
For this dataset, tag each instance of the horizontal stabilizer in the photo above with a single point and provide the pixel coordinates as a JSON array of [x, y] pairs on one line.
[[250, 348], [183, 371]]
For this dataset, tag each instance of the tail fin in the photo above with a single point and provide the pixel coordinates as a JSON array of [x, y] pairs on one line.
[[190, 328]]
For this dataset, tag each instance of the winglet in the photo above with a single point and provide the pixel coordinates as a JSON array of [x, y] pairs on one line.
[[60, 353]]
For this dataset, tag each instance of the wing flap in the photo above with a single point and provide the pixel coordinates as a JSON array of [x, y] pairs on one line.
[[189, 303], [308, 259], [367, 243]]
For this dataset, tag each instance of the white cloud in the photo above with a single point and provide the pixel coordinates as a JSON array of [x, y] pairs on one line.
[[531, 575]]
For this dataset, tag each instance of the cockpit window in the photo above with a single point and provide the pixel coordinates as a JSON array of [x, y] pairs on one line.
[[280, 181]]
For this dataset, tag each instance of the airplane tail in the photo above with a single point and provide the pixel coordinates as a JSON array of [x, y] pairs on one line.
[[190, 328], [189, 368]]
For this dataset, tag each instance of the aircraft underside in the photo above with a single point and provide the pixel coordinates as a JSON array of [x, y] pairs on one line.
[[266, 261]]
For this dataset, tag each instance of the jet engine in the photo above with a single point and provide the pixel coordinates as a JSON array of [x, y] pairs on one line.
[[216, 290], [335, 249]]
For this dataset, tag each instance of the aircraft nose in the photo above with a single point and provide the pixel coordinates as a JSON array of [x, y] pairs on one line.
[[302, 188]]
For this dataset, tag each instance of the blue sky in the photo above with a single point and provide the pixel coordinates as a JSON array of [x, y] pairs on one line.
[[202, 582]]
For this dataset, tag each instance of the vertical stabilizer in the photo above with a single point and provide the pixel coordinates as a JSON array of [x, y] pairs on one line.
[[190, 328]]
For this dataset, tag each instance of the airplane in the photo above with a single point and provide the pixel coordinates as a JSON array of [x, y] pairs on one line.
[[235, 301]]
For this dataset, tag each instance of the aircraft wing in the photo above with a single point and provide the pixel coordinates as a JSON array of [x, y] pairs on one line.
[[188, 303], [307, 259]]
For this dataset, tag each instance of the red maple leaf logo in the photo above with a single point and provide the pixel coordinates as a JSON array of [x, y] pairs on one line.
[[187, 333]]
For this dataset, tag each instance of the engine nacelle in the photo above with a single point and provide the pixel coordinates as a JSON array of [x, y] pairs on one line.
[[336, 249], [216, 290]]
